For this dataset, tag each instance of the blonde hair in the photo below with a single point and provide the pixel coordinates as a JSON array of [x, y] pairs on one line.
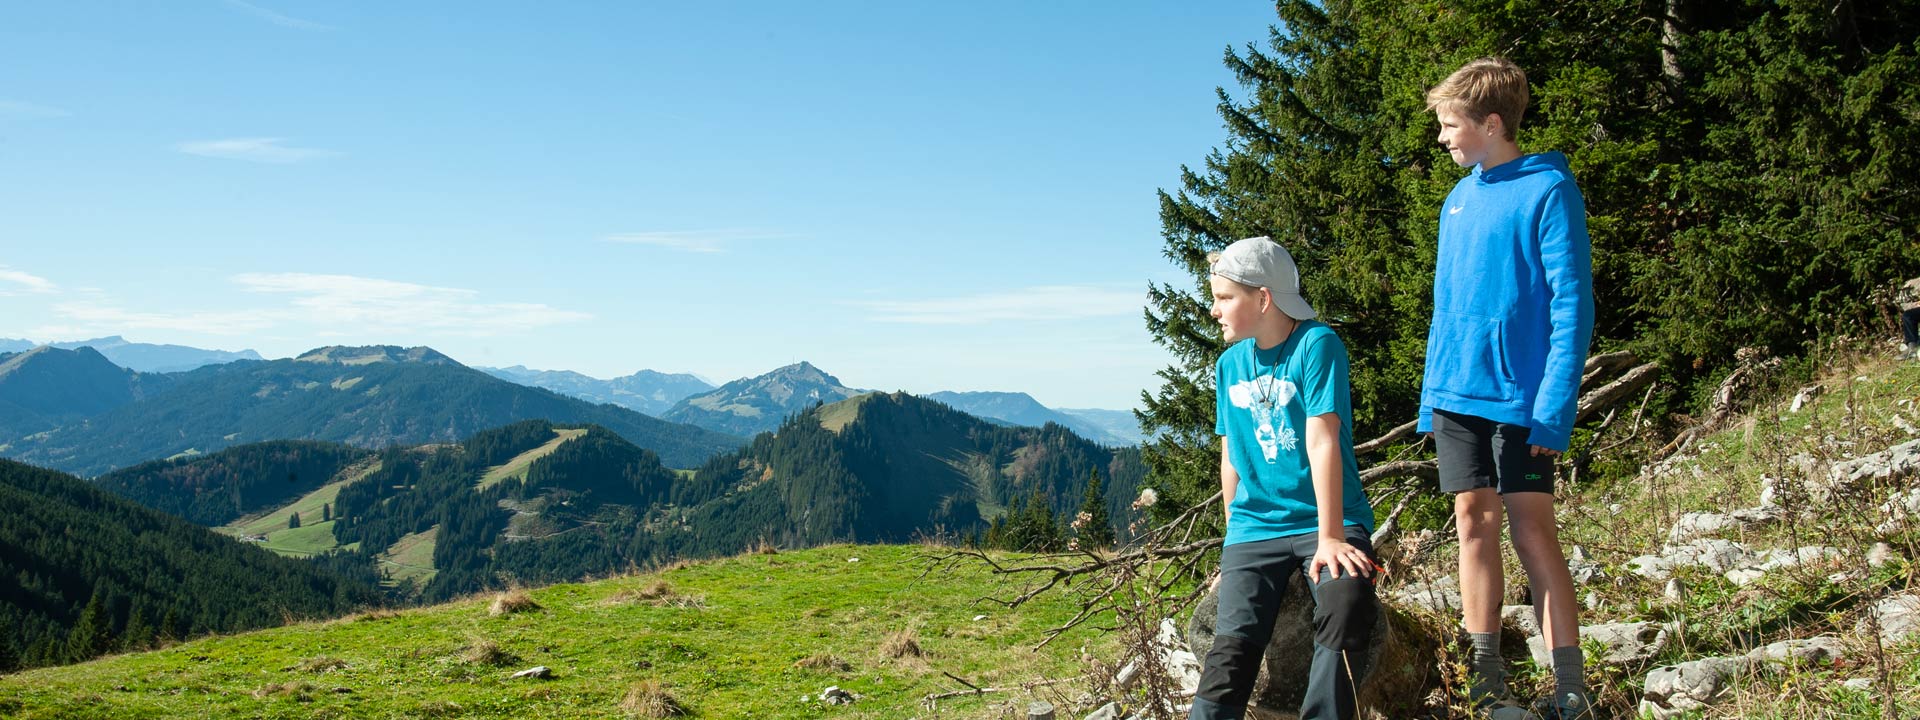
[[1487, 86]]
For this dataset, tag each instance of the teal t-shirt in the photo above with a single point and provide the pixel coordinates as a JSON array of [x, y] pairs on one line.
[[1263, 400]]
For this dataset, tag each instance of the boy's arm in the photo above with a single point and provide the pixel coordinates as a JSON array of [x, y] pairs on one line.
[[1329, 475], [1567, 256], [1229, 483]]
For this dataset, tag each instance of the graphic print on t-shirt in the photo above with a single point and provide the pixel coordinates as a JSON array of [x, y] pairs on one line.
[[1266, 398]]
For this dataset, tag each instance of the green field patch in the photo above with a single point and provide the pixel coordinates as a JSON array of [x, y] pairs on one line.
[[302, 541], [517, 467], [837, 416], [411, 558], [726, 639]]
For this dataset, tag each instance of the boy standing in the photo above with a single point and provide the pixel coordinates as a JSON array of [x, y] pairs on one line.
[[1290, 485], [1512, 317]]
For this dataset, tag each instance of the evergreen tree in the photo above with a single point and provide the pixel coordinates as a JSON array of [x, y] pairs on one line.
[[1092, 527], [293, 521], [1746, 168], [326, 512], [10, 654], [92, 633]]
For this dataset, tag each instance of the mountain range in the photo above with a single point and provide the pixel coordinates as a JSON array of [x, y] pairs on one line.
[[370, 397], [141, 357], [538, 502], [653, 393], [754, 405], [1109, 427]]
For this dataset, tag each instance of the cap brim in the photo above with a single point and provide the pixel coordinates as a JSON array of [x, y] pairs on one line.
[[1293, 305]]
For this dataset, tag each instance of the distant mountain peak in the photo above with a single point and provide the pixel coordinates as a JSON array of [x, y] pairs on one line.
[[367, 354]]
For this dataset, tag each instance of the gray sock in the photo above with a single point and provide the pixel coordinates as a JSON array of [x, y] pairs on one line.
[[1488, 677], [1569, 671]]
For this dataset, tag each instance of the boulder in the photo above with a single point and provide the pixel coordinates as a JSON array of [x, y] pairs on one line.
[[1624, 643], [538, 672], [1440, 596], [1817, 649], [1401, 655], [1698, 524]]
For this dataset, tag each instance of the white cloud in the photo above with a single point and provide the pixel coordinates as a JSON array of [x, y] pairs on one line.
[[1044, 302], [277, 18], [15, 282], [337, 300], [93, 318], [700, 241], [267, 150], [27, 109]]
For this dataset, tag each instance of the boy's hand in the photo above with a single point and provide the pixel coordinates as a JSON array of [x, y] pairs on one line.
[[1337, 555], [1538, 451]]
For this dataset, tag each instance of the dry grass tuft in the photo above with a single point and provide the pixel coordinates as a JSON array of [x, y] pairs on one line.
[[487, 652], [296, 690], [658, 594], [901, 644], [823, 661], [376, 614], [320, 664], [512, 601], [649, 699], [763, 547]]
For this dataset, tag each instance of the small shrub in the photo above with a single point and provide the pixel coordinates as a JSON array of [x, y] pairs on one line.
[[648, 699], [376, 614], [512, 601]]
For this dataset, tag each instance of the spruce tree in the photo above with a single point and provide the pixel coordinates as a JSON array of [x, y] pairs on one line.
[[293, 521], [92, 633], [1092, 527]]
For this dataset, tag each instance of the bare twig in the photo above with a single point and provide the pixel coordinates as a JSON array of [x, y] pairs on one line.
[[1392, 436]]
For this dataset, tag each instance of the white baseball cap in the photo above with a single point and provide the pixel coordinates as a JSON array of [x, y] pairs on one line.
[[1261, 262]]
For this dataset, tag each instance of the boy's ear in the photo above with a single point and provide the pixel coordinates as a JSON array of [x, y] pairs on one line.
[[1496, 125]]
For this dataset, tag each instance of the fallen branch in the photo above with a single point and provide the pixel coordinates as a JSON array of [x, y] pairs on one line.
[[1612, 392], [1425, 469], [1392, 436]]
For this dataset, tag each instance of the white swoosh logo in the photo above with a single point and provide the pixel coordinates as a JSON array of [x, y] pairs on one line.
[[1455, 210]]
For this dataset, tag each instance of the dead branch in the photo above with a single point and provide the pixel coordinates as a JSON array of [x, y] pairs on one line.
[[1600, 366], [1607, 395], [1392, 436], [1425, 469]]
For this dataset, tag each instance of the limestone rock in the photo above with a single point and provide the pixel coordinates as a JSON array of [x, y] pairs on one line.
[[1625, 643], [1713, 553], [1898, 617], [1698, 524], [1653, 567], [538, 671], [1674, 690], [1818, 649], [1440, 596]]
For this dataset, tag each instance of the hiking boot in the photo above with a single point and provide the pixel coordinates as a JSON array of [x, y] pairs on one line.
[[1564, 706], [1503, 709]]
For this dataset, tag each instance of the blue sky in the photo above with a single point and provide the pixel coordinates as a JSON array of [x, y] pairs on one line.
[[912, 195]]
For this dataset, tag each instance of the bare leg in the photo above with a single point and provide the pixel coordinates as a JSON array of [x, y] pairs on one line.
[[1536, 539], [1482, 579]]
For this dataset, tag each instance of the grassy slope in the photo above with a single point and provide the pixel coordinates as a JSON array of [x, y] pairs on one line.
[[517, 467], [313, 536], [411, 557], [733, 655], [1616, 519]]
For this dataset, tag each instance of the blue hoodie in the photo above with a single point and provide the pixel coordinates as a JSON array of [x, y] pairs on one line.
[[1512, 300]]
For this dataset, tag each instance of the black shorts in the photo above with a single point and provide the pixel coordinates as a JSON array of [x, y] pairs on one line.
[[1479, 453]]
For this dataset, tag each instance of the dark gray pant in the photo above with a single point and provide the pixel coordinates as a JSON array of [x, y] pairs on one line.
[[1253, 579]]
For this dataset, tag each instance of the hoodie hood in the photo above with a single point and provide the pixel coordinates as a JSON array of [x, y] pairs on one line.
[[1525, 165]]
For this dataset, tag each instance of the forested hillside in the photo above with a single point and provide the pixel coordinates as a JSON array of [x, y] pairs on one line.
[[218, 488], [87, 573]]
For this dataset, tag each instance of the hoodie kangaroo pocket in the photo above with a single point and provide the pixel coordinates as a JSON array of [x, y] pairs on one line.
[[1470, 358]]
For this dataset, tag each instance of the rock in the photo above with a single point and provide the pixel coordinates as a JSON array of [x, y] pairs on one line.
[[1894, 462], [1397, 667], [1879, 555], [1858, 684], [1039, 710], [1806, 395], [1900, 512], [1777, 559], [978, 618], [1181, 664], [833, 695], [1653, 567], [1109, 711], [538, 671], [1744, 576], [1765, 514], [1697, 524], [1716, 554], [1440, 596], [1675, 591], [1624, 643], [1520, 616], [1897, 617], [1822, 648], [1674, 690]]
